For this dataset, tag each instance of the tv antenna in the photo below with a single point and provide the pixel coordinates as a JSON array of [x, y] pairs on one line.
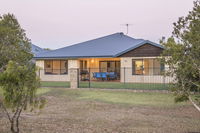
[[127, 27]]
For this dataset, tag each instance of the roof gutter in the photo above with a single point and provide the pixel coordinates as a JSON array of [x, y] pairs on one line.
[[73, 57]]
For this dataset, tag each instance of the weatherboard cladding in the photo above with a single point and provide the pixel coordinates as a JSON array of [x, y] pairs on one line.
[[109, 46], [145, 50]]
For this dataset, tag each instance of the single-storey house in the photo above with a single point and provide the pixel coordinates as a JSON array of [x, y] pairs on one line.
[[133, 60]]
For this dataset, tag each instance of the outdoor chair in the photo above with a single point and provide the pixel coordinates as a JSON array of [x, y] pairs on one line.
[[103, 75], [112, 75], [97, 75]]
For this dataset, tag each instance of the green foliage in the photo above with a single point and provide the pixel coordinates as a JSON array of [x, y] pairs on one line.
[[182, 54], [18, 77], [19, 84], [47, 49], [14, 45]]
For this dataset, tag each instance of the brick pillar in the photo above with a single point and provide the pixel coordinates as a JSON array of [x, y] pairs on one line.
[[73, 71], [73, 78]]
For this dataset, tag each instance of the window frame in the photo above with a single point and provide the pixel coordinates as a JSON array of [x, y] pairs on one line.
[[64, 69], [133, 68], [51, 68], [115, 61], [161, 67], [51, 73]]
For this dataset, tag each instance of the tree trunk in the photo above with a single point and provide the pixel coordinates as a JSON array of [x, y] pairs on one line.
[[17, 124], [14, 126]]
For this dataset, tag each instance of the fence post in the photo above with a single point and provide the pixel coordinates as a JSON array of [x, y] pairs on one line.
[[124, 75], [89, 77], [77, 78]]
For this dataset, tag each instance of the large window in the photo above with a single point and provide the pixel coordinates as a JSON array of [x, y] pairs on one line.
[[83, 64], [64, 66], [138, 67], [109, 66], [56, 66], [147, 67], [48, 66]]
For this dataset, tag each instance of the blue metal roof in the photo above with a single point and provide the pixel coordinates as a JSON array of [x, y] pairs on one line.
[[109, 46], [36, 50]]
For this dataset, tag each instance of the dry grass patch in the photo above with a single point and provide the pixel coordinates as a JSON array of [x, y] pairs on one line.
[[102, 111]]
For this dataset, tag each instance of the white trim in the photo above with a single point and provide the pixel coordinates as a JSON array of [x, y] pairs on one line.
[[153, 57]]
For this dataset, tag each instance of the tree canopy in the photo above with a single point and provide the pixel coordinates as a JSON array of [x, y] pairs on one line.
[[18, 77], [182, 54], [14, 45]]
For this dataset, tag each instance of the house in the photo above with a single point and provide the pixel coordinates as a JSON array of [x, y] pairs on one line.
[[131, 59]]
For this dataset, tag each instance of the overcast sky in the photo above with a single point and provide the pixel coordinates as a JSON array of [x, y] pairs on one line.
[[58, 23]]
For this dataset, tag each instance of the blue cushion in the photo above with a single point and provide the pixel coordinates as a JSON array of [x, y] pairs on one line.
[[104, 75], [98, 75]]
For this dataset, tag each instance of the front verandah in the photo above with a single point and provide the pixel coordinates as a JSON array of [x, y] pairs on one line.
[[126, 69], [99, 69]]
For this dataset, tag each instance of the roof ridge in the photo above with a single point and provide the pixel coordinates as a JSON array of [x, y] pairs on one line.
[[92, 39]]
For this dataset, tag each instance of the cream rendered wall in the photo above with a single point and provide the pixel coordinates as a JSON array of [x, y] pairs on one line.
[[126, 74]]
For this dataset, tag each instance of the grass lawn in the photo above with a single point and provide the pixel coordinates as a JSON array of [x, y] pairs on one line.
[[110, 85], [108, 111], [118, 85], [119, 97], [55, 84]]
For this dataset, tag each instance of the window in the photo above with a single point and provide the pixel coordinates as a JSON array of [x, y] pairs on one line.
[[138, 67], [109, 66], [83, 64], [48, 66], [147, 67], [63, 66], [56, 66]]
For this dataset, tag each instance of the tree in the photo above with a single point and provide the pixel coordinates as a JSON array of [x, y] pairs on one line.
[[19, 84], [182, 54], [14, 45], [18, 77]]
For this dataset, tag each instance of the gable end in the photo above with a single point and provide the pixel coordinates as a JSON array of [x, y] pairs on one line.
[[146, 50]]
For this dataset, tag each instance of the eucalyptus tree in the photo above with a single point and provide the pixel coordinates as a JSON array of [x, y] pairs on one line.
[[182, 54], [18, 79], [14, 45]]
